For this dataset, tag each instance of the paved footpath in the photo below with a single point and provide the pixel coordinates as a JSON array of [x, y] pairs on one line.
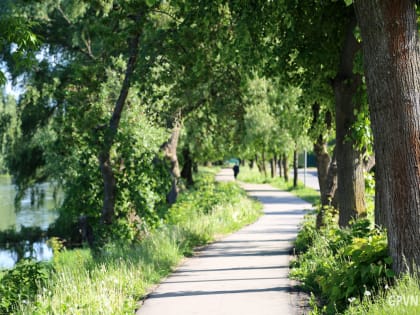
[[245, 273]]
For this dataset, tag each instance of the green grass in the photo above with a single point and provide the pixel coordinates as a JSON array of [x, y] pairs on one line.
[[254, 176], [402, 298], [113, 281]]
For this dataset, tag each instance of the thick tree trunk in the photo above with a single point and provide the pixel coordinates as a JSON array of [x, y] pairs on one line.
[[170, 150], [323, 161], [285, 167], [351, 184], [251, 164], [329, 197], [295, 168], [187, 168], [104, 156], [392, 67]]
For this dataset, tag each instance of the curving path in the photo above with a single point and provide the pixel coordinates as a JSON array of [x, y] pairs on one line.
[[244, 273]]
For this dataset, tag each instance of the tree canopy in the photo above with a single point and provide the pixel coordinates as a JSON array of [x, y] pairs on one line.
[[120, 95]]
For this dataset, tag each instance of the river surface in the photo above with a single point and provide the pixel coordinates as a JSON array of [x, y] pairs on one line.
[[33, 212]]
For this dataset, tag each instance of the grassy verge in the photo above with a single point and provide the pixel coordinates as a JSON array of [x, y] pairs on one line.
[[401, 298], [341, 265], [254, 176], [349, 270], [113, 281]]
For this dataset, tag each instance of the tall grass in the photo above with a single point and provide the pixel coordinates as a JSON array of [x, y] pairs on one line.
[[401, 298], [113, 281]]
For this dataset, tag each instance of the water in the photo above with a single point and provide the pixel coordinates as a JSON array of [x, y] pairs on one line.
[[29, 215]]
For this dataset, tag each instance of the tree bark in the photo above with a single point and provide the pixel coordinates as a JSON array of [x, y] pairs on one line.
[[351, 184], [170, 150], [104, 155], [392, 67], [295, 168], [279, 166], [273, 167], [259, 166], [323, 161], [285, 167], [332, 182], [329, 197], [263, 163]]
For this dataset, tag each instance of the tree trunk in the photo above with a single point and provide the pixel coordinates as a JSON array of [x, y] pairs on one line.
[[392, 67], [332, 182], [170, 150], [323, 161], [259, 166], [275, 165], [369, 163], [329, 197], [279, 166], [104, 156], [187, 168], [251, 164], [273, 169], [295, 168], [285, 167], [263, 164], [351, 184]]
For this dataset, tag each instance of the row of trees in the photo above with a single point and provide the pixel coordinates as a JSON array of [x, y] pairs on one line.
[[119, 94]]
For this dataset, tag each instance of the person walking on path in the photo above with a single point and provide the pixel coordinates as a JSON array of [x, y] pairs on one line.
[[246, 273], [235, 170]]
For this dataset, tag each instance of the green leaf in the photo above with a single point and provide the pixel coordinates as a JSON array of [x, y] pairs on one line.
[[150, 3], [388, 260], [389, 273]]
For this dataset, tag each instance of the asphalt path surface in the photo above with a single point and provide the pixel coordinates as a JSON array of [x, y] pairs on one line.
[[245, 273]]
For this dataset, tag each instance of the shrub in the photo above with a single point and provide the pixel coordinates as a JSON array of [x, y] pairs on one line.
[[340, 265], [21, 283]]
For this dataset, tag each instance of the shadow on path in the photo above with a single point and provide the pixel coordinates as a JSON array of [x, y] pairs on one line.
[[246, 273]]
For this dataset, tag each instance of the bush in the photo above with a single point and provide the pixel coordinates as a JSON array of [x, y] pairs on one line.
[[340, 265], [21, 283]]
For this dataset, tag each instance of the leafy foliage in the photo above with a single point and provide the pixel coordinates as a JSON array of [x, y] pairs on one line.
[[342, 264], [21, 283]]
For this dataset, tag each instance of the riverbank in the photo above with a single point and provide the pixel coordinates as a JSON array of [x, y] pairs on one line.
[[23, 227]]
